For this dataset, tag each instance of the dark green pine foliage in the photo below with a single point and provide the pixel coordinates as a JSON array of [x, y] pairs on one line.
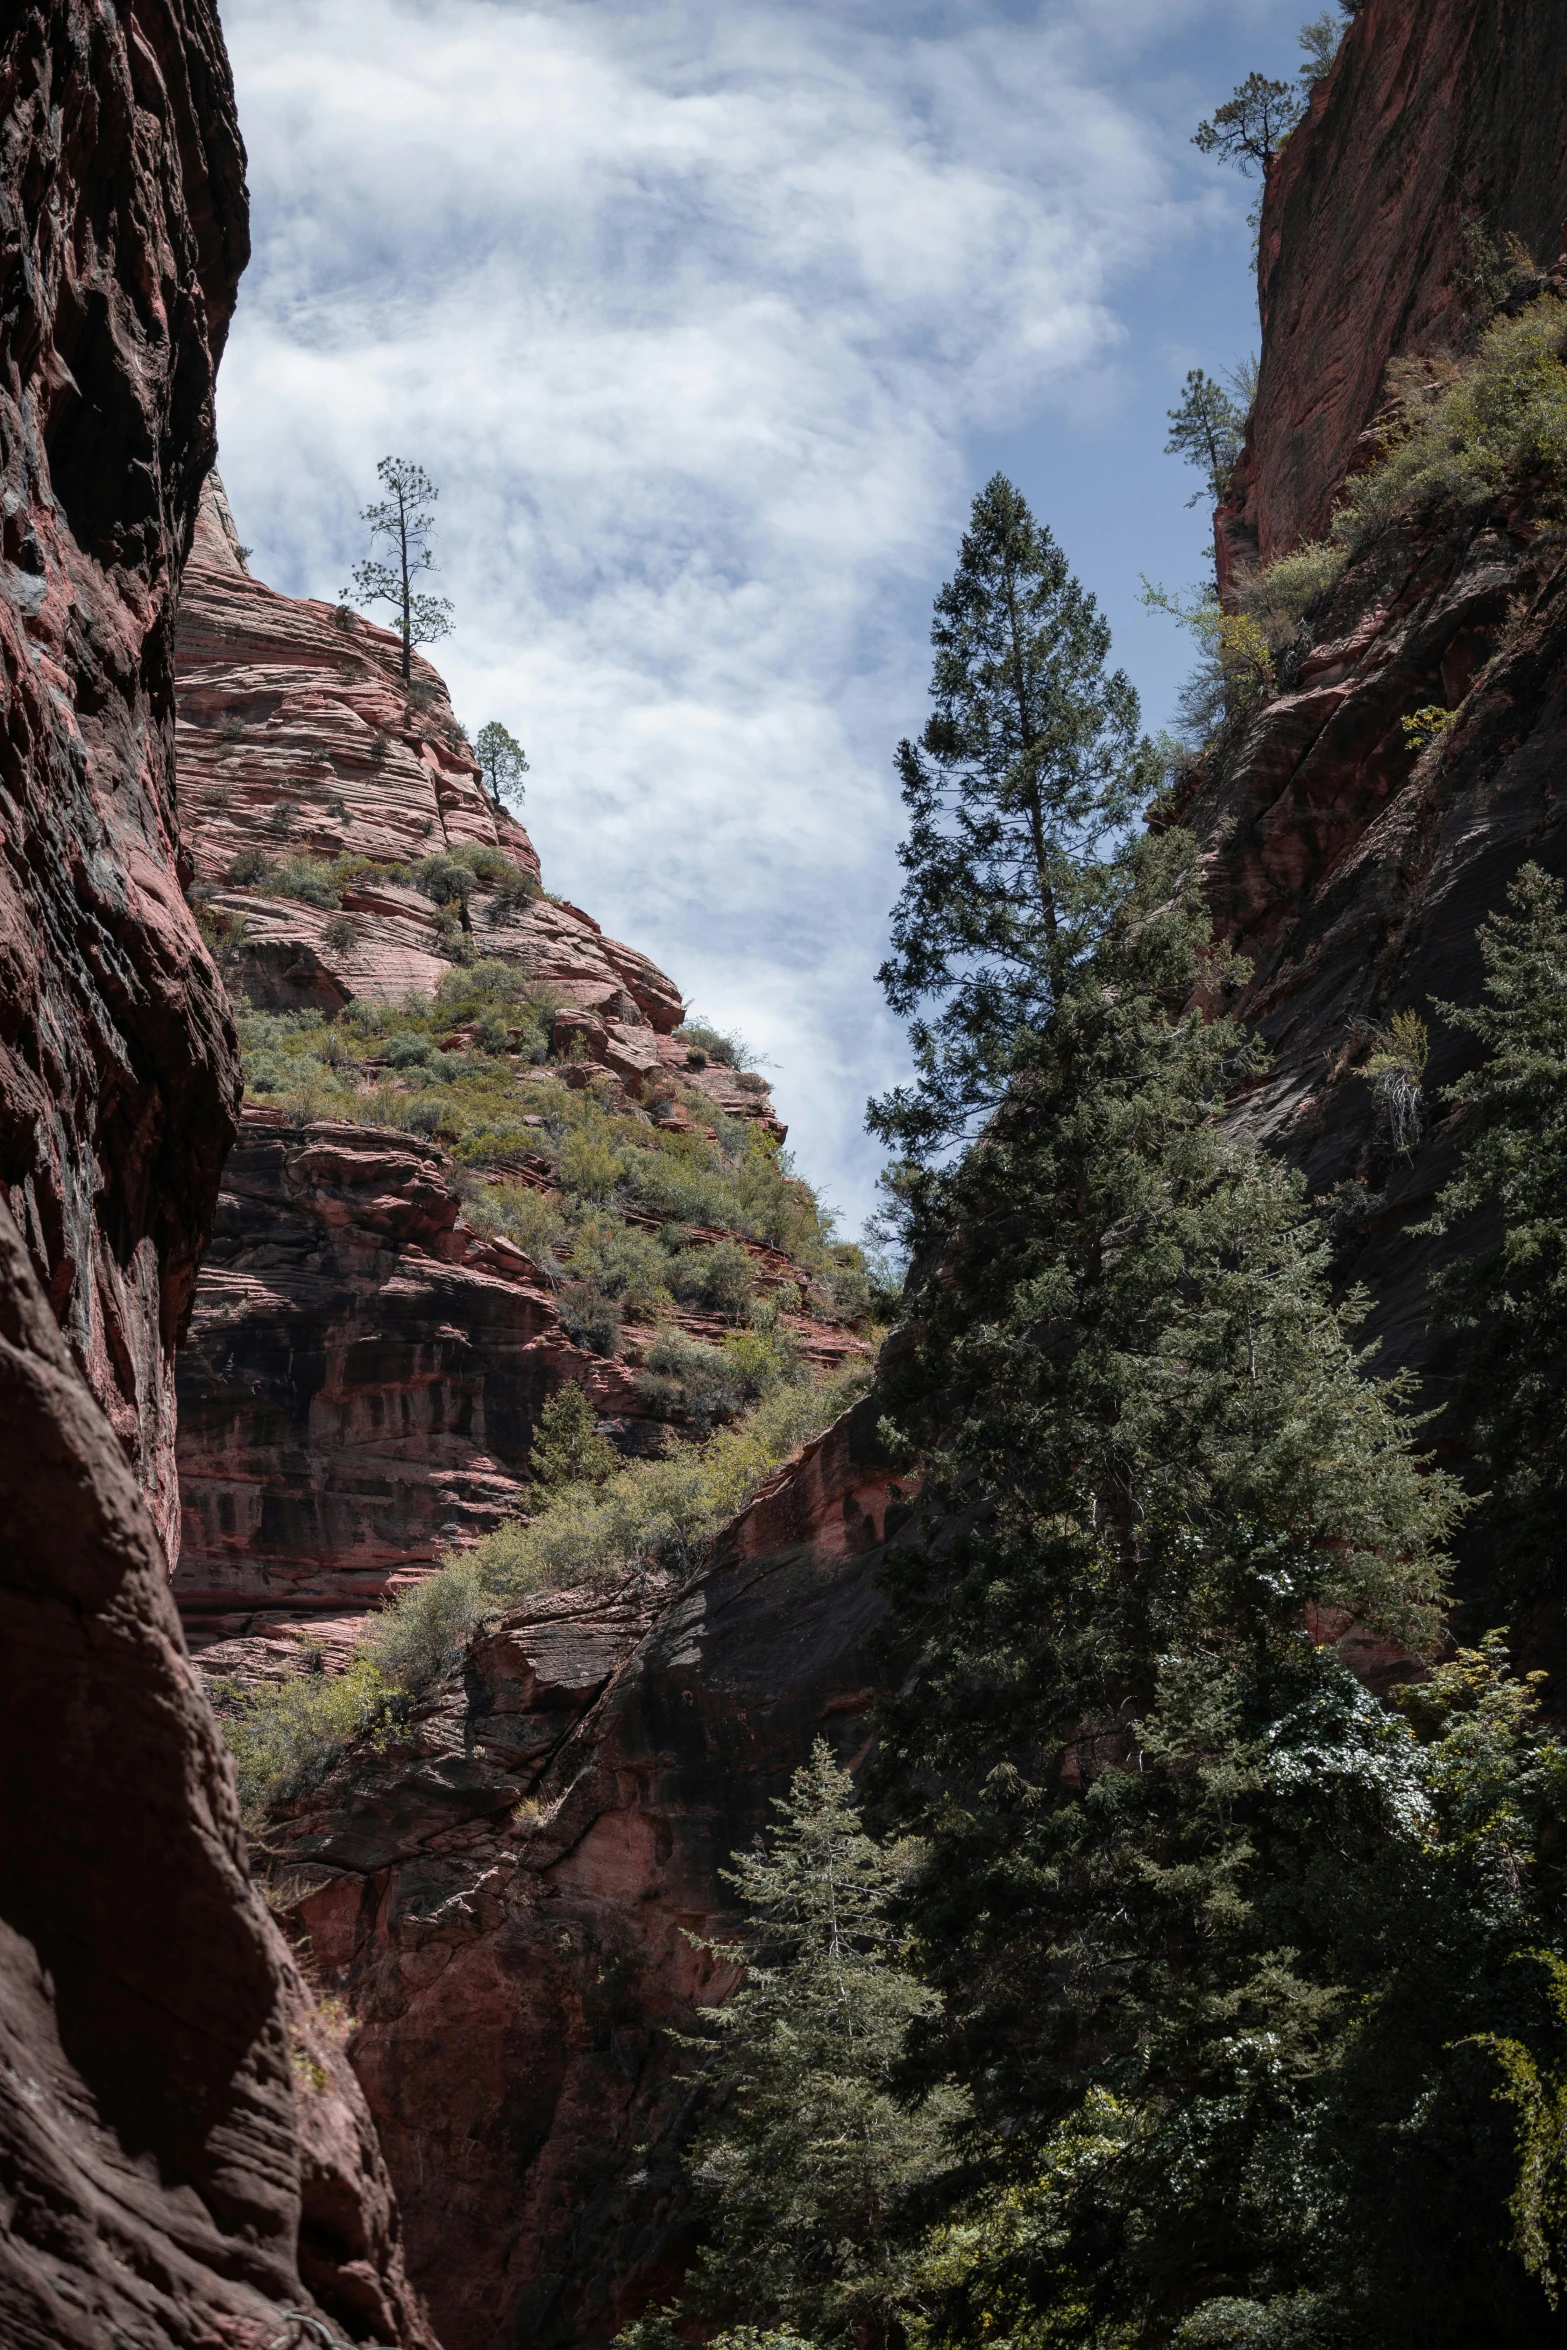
[[806, 2169], [1510, 1195], [1157, 1814], [1029, 766]]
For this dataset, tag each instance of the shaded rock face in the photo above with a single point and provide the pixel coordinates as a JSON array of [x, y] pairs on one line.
[[1436, 112], [363, 1381], [1353, 874], [505, 1900], [167, 2175], [123, 220]]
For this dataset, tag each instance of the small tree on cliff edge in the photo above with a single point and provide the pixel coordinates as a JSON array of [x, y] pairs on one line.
[[1029, 764], [403, 519], [1250, 128], [502, 761], [1206, 430]]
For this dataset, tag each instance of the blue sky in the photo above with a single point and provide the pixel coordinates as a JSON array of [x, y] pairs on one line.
[[709, 320]]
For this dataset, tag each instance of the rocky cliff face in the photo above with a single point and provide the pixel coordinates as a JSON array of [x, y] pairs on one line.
[[182, 2149], [364, 1372], [363, 1380], [505, 1899], [1352, 873], [1435, 119]]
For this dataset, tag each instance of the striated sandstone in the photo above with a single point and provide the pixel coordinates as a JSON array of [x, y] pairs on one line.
[[297, 736], [1436, 113], [363, 1380], [167, 2179]]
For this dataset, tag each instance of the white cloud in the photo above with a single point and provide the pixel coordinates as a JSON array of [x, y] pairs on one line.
[[688, 309]]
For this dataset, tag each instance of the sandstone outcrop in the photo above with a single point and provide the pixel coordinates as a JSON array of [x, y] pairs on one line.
[[505, 1899], [363, 1380], [297, 736], [166, 2177], [1438, 115]]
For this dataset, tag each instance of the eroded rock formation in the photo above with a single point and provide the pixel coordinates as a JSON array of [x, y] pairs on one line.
[[506, 1898], [363, 1380], [168, 2174]]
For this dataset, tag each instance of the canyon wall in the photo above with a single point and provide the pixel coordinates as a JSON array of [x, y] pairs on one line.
[[1437, 115], [1352, 872], [506, 1897], [183, 2150]]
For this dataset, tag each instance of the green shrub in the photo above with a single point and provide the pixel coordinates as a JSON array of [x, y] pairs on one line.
[[310, 879], [1278, 597], [587, 1165], [426, 1629], [1466, 432], [663, 1511], [567, 1448], [530, 1218], [591, 1319], [705, 1043], [248, 869], [680, 1374], [285, 1735], [444, 879], [720, 1278], [623, 1263]]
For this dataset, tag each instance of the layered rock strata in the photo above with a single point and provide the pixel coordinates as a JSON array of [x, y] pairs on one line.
[[297, 736], [1440, 126], [364, 1378], [169, 2174], [364, 1374], [1352, 872]]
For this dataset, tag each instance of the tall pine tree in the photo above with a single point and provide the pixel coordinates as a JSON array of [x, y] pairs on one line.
[[808, 2165], [1029, 766], [1510, 1194]]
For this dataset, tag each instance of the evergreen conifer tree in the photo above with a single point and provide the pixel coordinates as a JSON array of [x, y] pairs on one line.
[[567, 1448], [502, 762], [1512, 1171], [404, 520], [1206, 430], [1157, 1463], [808, 2164], [1030, 763]]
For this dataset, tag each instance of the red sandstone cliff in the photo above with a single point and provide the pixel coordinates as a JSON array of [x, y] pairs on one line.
[[364, 1374], [1351, 873], [505, 1898], [182, 2150], [1436, 113]]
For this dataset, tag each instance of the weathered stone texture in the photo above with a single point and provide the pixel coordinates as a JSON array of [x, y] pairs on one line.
[[161, 2179], [505, 1900], [1436, 113], [363, 1381]]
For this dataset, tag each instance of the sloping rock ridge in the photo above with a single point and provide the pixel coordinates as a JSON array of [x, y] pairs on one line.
[[363, 1380], [364, 1373], [183, 2152]]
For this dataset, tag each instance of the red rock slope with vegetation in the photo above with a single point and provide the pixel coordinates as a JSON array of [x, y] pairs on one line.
[[184, 2151], [481, 1156]]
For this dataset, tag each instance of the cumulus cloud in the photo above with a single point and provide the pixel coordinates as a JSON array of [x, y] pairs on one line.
[[688, 308]]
